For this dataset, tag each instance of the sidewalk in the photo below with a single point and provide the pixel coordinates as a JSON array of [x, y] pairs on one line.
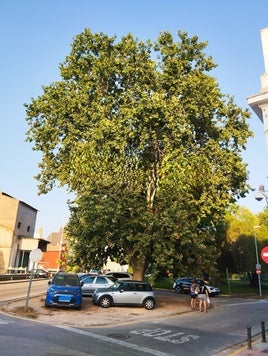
[[257, 348]]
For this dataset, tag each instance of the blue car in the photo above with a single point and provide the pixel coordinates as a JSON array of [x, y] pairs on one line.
[[64, 291]]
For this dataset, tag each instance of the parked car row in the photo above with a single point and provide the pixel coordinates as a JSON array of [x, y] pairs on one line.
[[66, 289], [182, 285]]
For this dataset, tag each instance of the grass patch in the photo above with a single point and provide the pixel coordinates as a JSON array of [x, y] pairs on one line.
[[27, 312], [240, 287], [163, 283]]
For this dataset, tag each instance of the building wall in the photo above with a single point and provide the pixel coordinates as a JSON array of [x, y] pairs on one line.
[[6, 238], [25, 220], [17, 225], [8, 211], [49, 261], [54, 252]]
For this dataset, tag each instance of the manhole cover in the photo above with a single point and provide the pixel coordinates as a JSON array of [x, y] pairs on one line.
[[118, 336]]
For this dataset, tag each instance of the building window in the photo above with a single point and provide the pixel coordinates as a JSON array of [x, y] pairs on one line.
[[19, 225], [28, 228]]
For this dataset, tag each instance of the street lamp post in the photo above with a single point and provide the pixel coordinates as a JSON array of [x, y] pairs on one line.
[[258, 266], [261, 194]]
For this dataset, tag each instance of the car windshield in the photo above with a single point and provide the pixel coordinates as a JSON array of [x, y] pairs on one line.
[[66, 280]]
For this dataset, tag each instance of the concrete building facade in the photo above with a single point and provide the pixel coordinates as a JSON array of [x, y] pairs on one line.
[[17, 227], [259, 102]]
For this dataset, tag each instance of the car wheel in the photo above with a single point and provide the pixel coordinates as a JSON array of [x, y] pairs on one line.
[[105, 301], [178, 289], [149, 303]]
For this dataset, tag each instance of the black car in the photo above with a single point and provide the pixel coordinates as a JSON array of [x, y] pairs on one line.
[[39, 273], [182, 286]]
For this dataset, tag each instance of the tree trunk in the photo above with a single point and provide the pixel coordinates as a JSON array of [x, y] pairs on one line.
[[139, 267]]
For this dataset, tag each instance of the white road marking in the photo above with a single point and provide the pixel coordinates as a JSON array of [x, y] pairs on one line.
[[113, 341], [5, 322], [166, 335], [245, 303]]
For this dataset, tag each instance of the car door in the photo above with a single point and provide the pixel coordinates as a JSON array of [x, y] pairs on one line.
[[102, 282], [126, 294], [88, 285], [141, 292]]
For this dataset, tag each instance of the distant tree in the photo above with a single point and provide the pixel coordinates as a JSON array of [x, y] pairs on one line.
[[262, 235], [237, 254], [149, 145], [239, 249]]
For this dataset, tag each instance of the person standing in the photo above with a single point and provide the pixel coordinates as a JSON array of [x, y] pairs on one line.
[[193, 294], [203, 297]]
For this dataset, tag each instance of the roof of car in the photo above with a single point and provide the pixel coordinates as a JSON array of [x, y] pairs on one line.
[[132, 281], [65, 273]]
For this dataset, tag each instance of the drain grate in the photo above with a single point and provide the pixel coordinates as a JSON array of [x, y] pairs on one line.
[[119, 336]]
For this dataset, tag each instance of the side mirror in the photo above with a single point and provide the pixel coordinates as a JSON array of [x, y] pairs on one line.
[[81, 284], [49, 282]]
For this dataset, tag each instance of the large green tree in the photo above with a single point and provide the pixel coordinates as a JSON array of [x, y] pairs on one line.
[[143, 136]]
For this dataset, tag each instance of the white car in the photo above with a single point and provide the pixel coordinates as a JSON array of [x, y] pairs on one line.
[[212, 291]]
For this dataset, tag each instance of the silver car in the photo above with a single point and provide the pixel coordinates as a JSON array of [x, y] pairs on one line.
[[126, 293], [92, 282]]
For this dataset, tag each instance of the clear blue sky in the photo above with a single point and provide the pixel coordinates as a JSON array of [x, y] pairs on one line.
[[36, 36]]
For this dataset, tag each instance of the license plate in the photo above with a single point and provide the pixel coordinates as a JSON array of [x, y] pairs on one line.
[[64, 298]]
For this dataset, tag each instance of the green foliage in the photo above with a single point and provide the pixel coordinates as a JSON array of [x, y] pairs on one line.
[[143, 136], [239, 250], [242, 287]]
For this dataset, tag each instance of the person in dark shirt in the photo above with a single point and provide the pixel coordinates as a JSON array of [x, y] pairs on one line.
[[203, 295]]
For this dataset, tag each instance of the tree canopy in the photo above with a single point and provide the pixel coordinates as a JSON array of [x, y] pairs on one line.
[[143, 136], [244, 232]]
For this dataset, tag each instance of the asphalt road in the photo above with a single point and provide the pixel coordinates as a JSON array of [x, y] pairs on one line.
[[19, 289], [218, 332], [194, 333]]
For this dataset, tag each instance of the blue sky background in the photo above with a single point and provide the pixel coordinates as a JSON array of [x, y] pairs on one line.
[[36, 36]]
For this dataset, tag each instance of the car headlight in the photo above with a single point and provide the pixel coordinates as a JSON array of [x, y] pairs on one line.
[[52, 290]]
